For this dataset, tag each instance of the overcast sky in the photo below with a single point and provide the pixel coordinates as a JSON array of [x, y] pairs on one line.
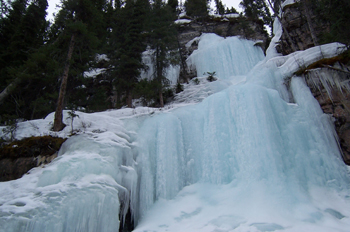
[[52, 6]]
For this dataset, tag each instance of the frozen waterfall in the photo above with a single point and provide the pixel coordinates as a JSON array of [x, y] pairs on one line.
[[254, 156]]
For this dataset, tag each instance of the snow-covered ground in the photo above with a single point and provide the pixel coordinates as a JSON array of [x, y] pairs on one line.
[[231, 155]]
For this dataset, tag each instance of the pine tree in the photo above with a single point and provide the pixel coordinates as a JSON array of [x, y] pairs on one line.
[[22, 34], [174, 4], [4, 7], [127, 45], [76, 27], [220, 8], [8, 29], [163, 42], [256, 9], [231, 10], [334, 14], [197, 8]]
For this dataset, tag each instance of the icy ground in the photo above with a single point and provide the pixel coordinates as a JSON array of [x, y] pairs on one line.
[[243, 153]]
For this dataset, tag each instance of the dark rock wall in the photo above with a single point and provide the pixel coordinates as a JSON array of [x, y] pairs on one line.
[[336, 102], [18, 157], [295, 23]]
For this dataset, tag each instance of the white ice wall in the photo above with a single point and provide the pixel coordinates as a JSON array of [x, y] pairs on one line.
[[270, 154]]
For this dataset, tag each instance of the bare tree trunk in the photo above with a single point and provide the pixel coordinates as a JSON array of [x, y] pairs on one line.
[[7, 91], [58, 121], [183, 63], [161, 101], [309, 22], [129, 98], [159, 73]]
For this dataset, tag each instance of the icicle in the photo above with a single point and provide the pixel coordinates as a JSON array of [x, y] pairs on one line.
[[329, 80]]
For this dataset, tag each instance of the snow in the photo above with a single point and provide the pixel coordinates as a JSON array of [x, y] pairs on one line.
[[182, 21], [226, 16], [232, 15], [94, 72], [242, 153], [288, 2]]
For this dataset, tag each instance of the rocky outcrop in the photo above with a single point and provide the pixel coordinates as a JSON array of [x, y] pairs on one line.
[[295, 23], [18, 157], [329, 78]]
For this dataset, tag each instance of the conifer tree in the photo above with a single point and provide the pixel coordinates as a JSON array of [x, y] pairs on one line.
[[334, 14], [8, 28], [231, 10], [163, 42], [256, 9], [4, 8], [76, 27], [174, 4], [220, 8], [22, 33], [127, 45], [197, 8]]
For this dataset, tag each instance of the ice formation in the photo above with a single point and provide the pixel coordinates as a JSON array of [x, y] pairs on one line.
[[249, 155]]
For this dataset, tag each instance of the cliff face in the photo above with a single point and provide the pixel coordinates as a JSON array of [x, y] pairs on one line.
[[18, 157], [329, 80], [295, 23]]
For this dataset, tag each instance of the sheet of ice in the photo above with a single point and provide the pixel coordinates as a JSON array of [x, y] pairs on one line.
[[227, 57], [277, 31], [245, 158], [79, 191], [85, 187]]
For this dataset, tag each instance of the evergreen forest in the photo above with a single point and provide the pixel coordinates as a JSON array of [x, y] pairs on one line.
[[44, 64]]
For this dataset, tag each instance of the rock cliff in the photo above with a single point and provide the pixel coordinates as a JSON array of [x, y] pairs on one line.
[[18, 157], [329, 79]]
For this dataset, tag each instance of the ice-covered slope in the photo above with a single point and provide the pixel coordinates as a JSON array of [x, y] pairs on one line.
[[250, 157], [245, 159]]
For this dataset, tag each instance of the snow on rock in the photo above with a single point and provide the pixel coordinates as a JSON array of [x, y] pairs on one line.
[[231, 15], [288, 2], [183, 21]]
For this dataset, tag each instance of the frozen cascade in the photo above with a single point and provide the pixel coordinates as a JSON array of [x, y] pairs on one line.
[[230, 56], [84, 189], [246, 158]]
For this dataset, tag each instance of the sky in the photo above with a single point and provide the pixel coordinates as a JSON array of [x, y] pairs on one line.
[[52, 6], [233, 3]]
